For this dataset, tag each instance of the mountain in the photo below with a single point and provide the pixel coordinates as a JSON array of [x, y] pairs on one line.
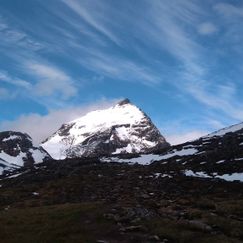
[[121, 129], [217, 155], [190, 192], [16, 150]]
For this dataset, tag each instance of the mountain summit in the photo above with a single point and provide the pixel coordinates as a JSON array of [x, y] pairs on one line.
[[120, 129]]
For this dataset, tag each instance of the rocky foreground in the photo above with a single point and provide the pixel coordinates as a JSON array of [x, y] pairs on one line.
[[89, 201]]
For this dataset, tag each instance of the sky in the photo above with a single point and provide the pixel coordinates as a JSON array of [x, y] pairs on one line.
[[180, 61]]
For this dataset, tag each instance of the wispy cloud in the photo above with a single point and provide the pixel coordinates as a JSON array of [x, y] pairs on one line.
[[163, 45], [178, 138], [168, 27], [168, 30], [219, 97], [230, 15], [91, 15], [173, 31], [51, 80], [45, 84], [229, 10], [124, 69], [6, 78], [207, 28], [11, 36], [39, 127], [215, 124]]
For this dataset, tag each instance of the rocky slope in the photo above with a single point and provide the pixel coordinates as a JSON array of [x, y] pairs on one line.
[[217, 155], [16, 150], [121, 129], [117, 203]]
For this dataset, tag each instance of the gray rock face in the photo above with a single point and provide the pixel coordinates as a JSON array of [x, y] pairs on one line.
[[16, 150], [96, 145], [121, 129]]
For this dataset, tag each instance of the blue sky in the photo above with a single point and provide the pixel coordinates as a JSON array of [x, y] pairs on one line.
[[180, 61]]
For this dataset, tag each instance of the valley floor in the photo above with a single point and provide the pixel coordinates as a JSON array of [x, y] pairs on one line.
[[88, 201]]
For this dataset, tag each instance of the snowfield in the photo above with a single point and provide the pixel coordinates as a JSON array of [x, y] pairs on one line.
[[226, 177], [147, 159]]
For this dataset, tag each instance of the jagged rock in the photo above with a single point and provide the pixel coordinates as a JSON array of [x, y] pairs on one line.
[[17, 149]]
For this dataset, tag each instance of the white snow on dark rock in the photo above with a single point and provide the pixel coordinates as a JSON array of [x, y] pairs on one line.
[[16, 150], [121, 129]]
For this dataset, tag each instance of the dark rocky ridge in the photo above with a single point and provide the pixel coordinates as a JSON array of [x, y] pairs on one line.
[[124, 102], [14, 144], [215, 154]]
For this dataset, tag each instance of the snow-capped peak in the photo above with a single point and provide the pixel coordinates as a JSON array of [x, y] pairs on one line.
[[122, 113], [122, 128]]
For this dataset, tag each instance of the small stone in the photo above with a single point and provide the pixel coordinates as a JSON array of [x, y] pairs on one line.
[[196, 224], [154, 238], [145, 196], [134, 228], [136, 220], [164, 241]]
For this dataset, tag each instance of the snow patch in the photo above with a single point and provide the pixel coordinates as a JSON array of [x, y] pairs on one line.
[[157, 175], [220, 162], [203, 163], [144, 159], [196, 174], [223, 131], [17, 160], [183, 152], [147, 159], [226, 177], [38, 155], [12, 137], [231, 177], [14, 176]]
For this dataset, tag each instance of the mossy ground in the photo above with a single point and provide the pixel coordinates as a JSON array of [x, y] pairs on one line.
[[118, 203]]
